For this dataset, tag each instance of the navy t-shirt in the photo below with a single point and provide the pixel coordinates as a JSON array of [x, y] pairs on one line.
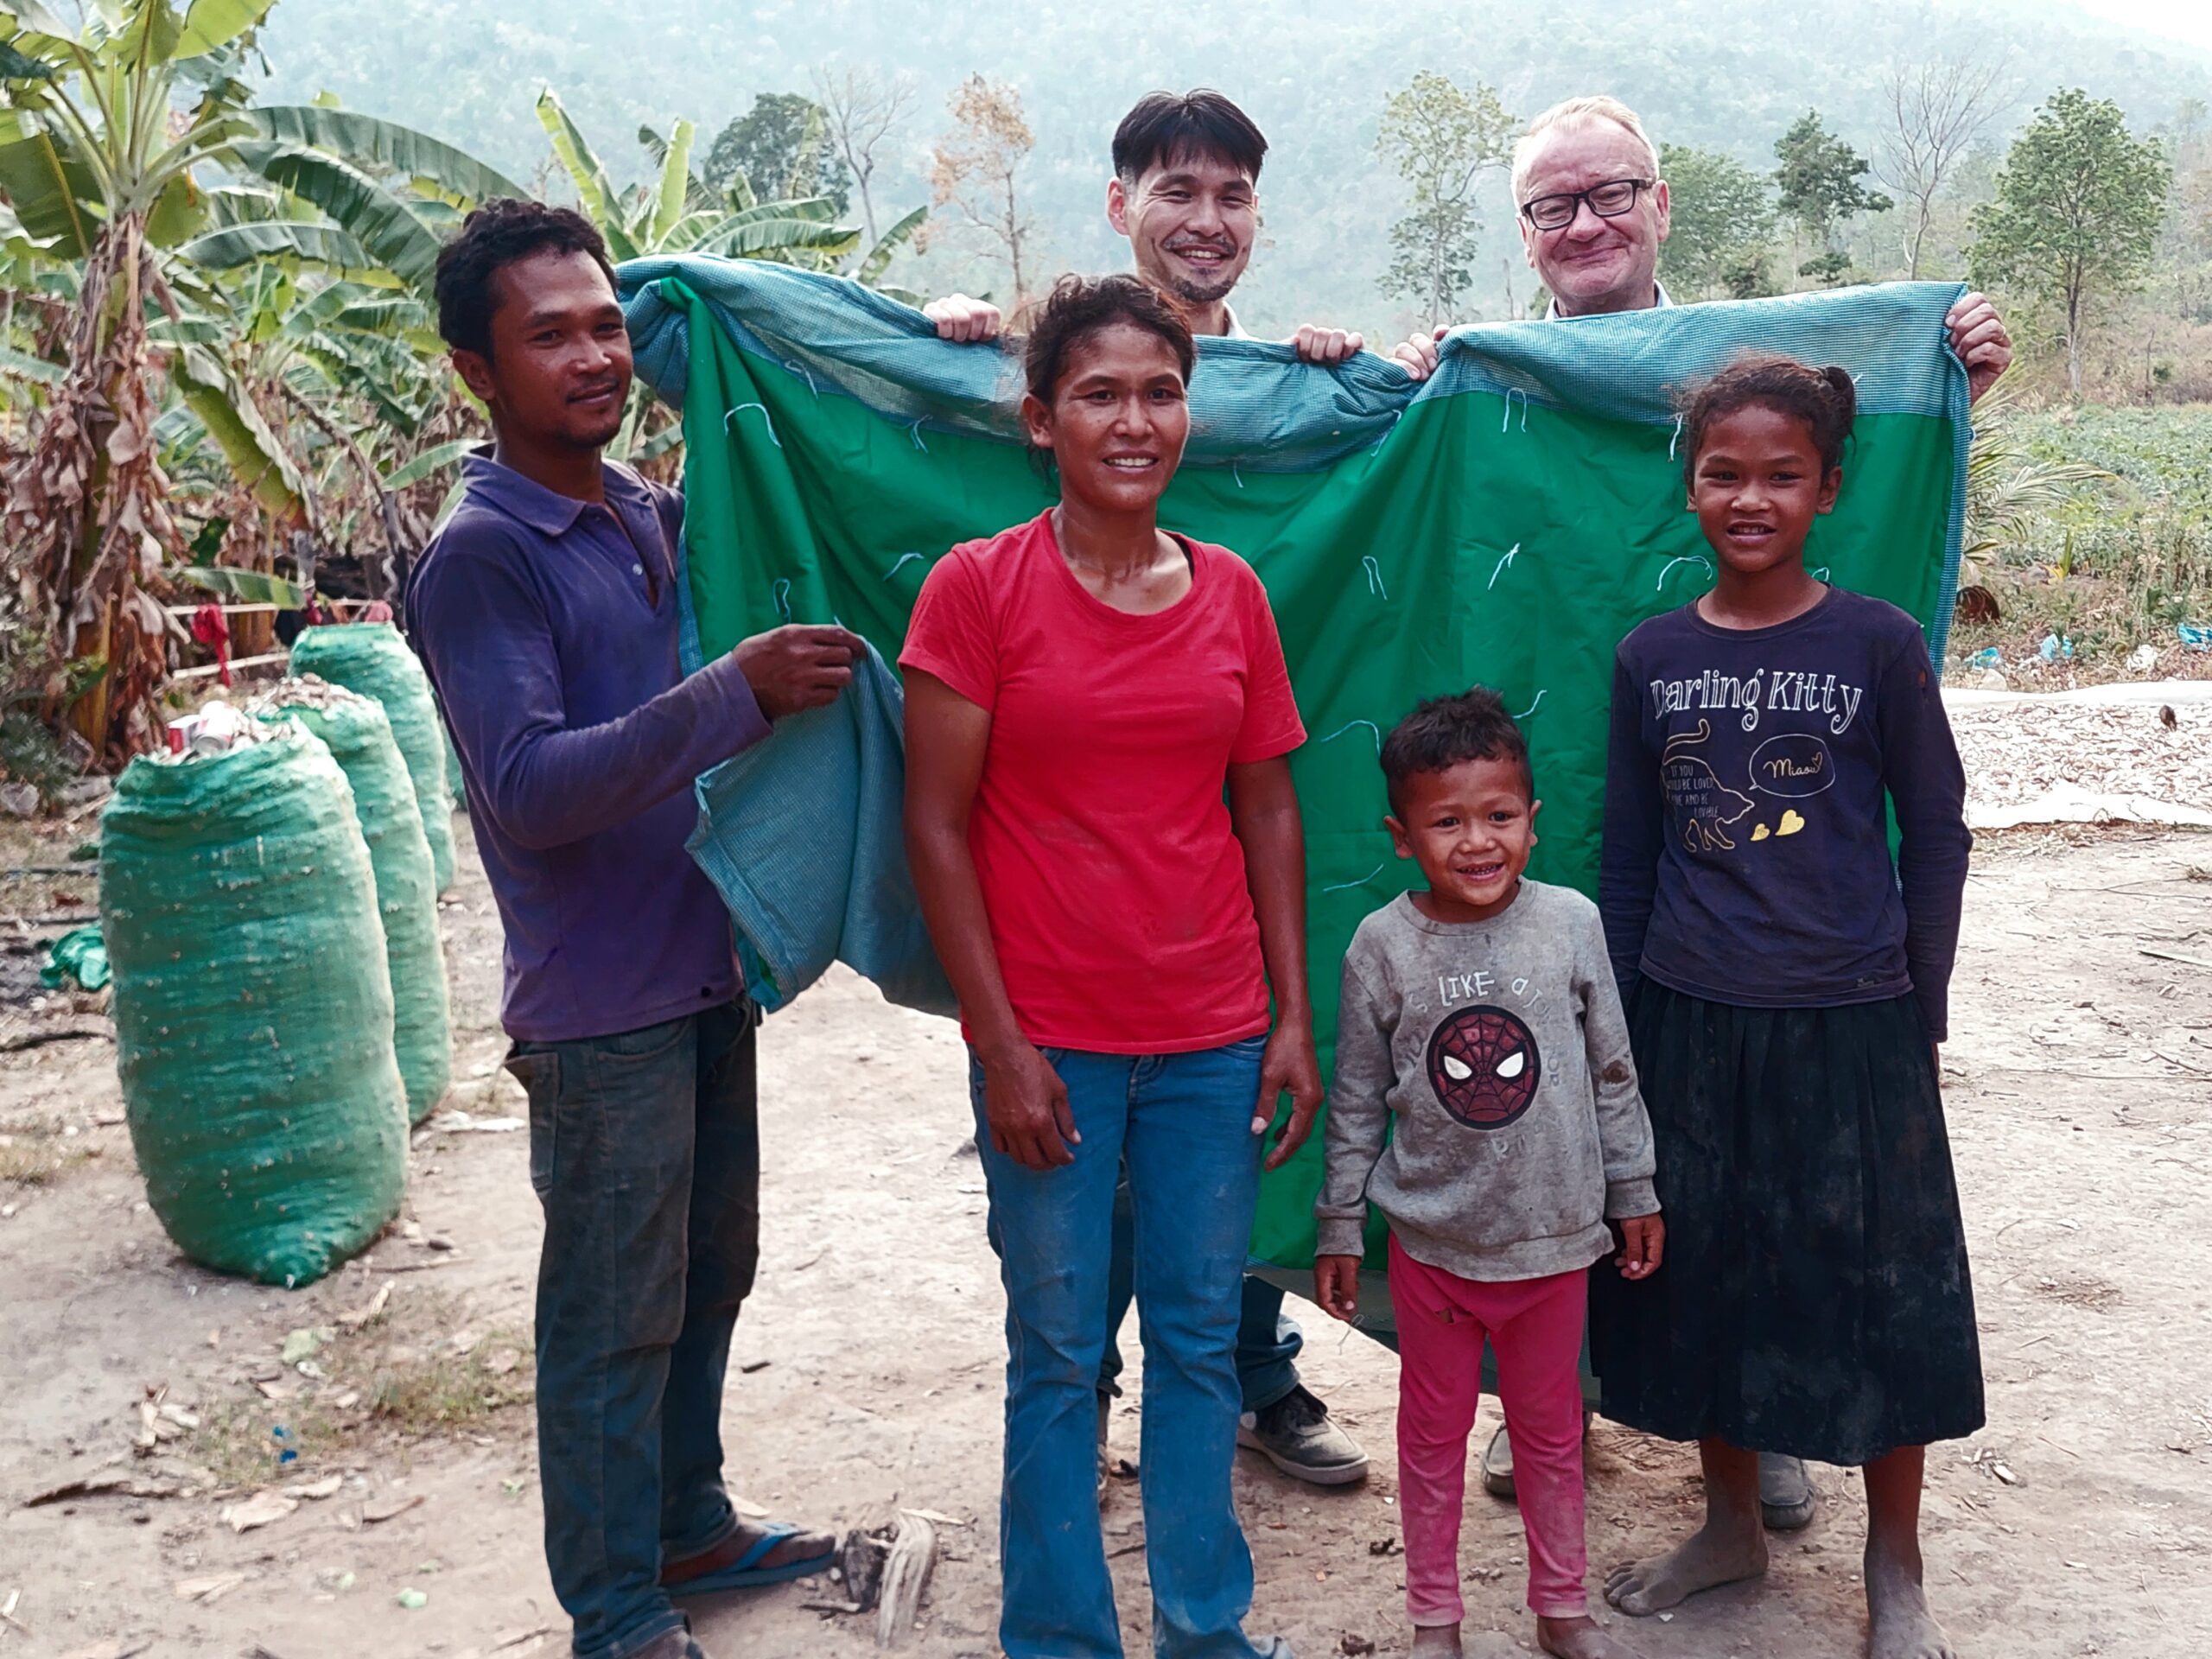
[[1746, 854]]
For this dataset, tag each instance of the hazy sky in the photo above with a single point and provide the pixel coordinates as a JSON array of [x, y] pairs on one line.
[[2180, 19]]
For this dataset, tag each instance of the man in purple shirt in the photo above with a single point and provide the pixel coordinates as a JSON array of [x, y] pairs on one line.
[[546, 613]]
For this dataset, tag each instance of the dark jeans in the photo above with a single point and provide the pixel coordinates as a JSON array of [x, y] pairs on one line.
[[644, 1150], [1267, 1342]]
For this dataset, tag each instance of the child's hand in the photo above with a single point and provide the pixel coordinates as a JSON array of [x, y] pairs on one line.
[[1643, 1239], [1336, 1284]]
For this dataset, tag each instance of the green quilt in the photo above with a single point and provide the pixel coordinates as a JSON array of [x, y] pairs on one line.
[[1505, 523]]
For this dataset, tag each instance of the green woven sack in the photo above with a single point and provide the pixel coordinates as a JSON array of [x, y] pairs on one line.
[[371, 657], [359, 737], [253, 1011]]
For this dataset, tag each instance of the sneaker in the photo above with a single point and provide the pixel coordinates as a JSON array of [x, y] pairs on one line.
[[1296, 1435], [1497, 1467], [671, 1644], [1786, 1496], [1497, 1462]]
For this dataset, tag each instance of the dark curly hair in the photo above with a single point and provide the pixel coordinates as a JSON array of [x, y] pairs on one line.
[[1824, 399], [1445, 731], [1079, 306], [496, 235], [1165, 128]]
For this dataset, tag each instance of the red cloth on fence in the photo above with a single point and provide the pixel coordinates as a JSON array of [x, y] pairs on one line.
[[212, 628]]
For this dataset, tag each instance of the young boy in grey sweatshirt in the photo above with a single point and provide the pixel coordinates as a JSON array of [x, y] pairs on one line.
[[1480, 1026]]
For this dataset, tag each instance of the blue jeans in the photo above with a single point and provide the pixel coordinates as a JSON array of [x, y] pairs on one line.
[[1183, 1124], [1267, 1342], [644, 1150]]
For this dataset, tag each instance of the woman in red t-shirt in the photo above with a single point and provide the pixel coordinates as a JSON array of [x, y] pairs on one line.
[[1108, 847]]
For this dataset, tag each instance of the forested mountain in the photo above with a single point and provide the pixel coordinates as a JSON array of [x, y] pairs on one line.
[[1728, 75]]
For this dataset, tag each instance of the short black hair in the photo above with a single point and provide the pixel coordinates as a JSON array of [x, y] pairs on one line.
[[1168, 127], [1078, 306], [1445, 731], [1826, 400], [498, 234]]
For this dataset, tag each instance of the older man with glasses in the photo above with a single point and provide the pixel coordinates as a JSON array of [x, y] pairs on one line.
[[1593, 212]]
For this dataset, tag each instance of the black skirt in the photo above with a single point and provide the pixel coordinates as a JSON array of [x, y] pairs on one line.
[[1814, 1299]]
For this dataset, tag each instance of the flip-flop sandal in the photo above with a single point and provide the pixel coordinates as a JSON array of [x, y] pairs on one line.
[[746, 1574]]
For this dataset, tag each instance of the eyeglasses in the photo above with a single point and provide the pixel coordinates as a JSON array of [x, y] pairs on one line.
[[1607, 201]]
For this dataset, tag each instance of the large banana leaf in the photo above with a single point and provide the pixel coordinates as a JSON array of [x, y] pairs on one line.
[[675, 182], [777, 239], [241, 204], [306, 240], [595, 192], [368, 142], [38, 18], [149, 34], [211, 23], [247, 586], [24, 366], [15, 66], [816, 210], [698, 196], [429, 462], [357, 308], [386, 229], [384, 372], [52, 191], [687, 230], [256, 459], [180, 213], [195, 329], [869, 272]]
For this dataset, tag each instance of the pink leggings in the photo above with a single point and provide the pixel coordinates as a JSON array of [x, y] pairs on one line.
[[1535, 1326]]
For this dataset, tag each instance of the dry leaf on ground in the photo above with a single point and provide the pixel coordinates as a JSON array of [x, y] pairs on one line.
[[208, 1589], [258, 1511]]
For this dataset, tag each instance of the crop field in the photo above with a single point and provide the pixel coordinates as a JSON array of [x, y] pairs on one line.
[[2115, 568]]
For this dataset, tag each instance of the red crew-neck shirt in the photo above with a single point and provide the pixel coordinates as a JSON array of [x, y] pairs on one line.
[[1113, 880]]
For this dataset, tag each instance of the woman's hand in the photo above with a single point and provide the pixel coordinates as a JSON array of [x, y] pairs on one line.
[[1336, 1285], [1418, 356], [1289, 1067], [1644, 1240], [1026, 1106]]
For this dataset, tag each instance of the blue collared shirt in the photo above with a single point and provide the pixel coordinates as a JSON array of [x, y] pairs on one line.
[[548, 626]]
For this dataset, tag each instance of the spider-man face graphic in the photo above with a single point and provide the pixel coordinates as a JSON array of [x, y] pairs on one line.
[[1483, 1065]]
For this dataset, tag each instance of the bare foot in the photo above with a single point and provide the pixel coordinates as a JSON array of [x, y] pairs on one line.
[[1708, 1557], [1439, 1639], [1581, 1638], [1899, 1625]]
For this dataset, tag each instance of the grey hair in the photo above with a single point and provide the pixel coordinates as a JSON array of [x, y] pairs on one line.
[[1571, 111]]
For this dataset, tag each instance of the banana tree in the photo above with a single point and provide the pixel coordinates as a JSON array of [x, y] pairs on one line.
[[675, 212], [383, 197], [102, 127], [317, 394]]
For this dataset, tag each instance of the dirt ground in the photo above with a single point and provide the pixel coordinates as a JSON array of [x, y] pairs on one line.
[[867, 1371]]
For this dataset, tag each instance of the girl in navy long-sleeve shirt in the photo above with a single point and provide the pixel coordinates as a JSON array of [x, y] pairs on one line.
[[1786, 984]]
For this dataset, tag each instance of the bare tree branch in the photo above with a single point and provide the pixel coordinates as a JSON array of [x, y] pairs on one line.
[[1937, 108], [863, 110]]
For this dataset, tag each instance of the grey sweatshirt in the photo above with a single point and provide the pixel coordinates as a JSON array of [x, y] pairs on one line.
[[1500, 1051]]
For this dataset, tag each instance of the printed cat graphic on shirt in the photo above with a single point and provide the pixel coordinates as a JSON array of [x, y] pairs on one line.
[[1705, 805]]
